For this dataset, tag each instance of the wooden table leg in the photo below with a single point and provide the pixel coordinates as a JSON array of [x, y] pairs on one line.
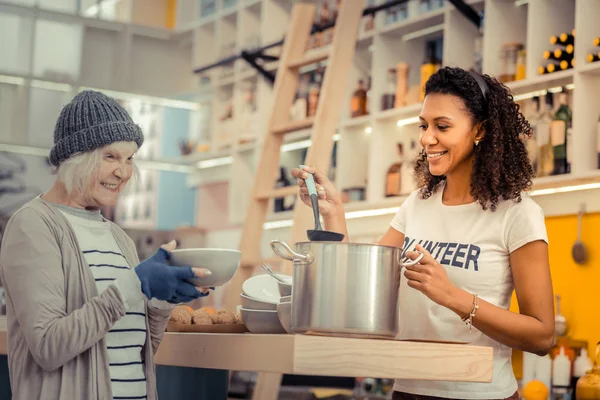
[[267, 386]]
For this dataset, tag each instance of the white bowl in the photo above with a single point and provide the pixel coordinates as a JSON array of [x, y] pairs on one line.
[[262, 321], [221, 262], [284, 313], [262, 288], [253, 304], [285, 289], [285, 299]]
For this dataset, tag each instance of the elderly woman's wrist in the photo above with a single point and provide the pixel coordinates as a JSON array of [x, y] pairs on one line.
[[160, 304]]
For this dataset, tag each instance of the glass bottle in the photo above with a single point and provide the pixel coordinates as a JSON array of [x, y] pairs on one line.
[[388, 99], [560, 128]]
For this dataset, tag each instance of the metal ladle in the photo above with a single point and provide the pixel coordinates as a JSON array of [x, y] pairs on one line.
[[579, 251], [318, 234]]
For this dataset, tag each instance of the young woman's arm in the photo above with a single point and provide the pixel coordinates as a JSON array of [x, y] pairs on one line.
[[532, 329]]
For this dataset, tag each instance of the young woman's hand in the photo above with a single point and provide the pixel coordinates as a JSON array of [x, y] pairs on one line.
[[329, 199], [429, 277]]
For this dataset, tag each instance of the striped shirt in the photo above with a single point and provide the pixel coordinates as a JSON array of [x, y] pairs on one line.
[[126, 339]]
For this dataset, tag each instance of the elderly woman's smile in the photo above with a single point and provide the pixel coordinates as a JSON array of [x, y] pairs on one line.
[[114, 171]]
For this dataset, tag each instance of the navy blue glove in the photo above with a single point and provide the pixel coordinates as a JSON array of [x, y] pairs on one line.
[[165, 282]]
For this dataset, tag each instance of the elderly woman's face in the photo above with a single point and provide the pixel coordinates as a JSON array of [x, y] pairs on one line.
[[115, 171]]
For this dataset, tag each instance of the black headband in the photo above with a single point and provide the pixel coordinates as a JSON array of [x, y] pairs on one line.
[[482, 85]]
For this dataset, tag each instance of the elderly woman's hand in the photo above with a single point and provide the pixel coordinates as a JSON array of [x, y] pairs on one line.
[[199, 272], [168, 283]]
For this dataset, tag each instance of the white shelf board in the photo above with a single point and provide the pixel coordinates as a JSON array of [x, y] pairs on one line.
[[357, 122], [396, 114], [410, 25], [228, 12], [590, 68], [365, 38], [542, 82]]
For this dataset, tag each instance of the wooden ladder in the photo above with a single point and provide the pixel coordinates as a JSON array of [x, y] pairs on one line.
[[339, 55]]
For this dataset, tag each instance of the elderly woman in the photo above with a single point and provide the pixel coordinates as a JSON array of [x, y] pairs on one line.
[[85, 317]]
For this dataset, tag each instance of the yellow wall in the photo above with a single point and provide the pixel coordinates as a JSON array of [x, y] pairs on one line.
[[578, 286]]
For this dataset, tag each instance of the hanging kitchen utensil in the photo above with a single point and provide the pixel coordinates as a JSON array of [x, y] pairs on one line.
[[318, 234], [560, 322], [579, 251]]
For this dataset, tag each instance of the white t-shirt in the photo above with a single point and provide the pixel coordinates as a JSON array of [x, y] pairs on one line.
[[474, 246]]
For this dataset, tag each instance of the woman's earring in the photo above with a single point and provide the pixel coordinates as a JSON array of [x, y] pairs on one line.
[[477, 143]]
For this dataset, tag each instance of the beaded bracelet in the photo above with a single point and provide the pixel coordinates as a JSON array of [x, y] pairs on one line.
[[469, 318]]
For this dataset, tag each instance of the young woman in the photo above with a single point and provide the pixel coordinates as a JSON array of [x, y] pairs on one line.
[[84, 316], [481, 235]]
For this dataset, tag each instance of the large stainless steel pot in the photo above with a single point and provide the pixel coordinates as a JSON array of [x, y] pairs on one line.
[[344, 289]]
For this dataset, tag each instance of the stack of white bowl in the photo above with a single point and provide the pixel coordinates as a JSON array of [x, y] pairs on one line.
[[266, 304]]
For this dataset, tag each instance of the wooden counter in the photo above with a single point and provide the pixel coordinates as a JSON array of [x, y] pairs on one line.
[[274, 355], [329, 356], [318, 355]]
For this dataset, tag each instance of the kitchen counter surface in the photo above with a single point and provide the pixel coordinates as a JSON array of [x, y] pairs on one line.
[[319, 355], [329, 356], [274, 355]]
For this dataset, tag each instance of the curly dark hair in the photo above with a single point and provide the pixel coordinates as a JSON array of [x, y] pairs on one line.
[[501, 167]]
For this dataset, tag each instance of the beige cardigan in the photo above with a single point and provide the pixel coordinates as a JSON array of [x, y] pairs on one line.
[[56, 319]]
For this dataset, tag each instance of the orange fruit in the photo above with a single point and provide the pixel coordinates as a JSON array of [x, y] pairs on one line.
[[190, 309], [535, 390]]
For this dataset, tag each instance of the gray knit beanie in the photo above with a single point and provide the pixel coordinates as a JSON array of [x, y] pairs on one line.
[[91, 120]]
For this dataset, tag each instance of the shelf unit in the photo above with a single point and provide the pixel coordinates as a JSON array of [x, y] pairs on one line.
[[366, 144]]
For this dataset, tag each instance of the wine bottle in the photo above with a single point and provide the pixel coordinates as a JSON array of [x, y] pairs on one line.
[[549, 55], [314, 91], [429, 67], [393, 180], [388, 98], [564, 64], [282, 181], [521, 73], [557, 55], [596, 42], [566, 54], [533, 115], [563, 39], [545, 154], [593, 57], [552, 67], [561, 124], [401, 85], [359, 100]]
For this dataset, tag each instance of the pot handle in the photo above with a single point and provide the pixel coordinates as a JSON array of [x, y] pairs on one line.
[[407, 262], [291, 254]]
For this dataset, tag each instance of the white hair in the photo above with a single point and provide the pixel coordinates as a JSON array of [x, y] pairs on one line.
[[77, 173]]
